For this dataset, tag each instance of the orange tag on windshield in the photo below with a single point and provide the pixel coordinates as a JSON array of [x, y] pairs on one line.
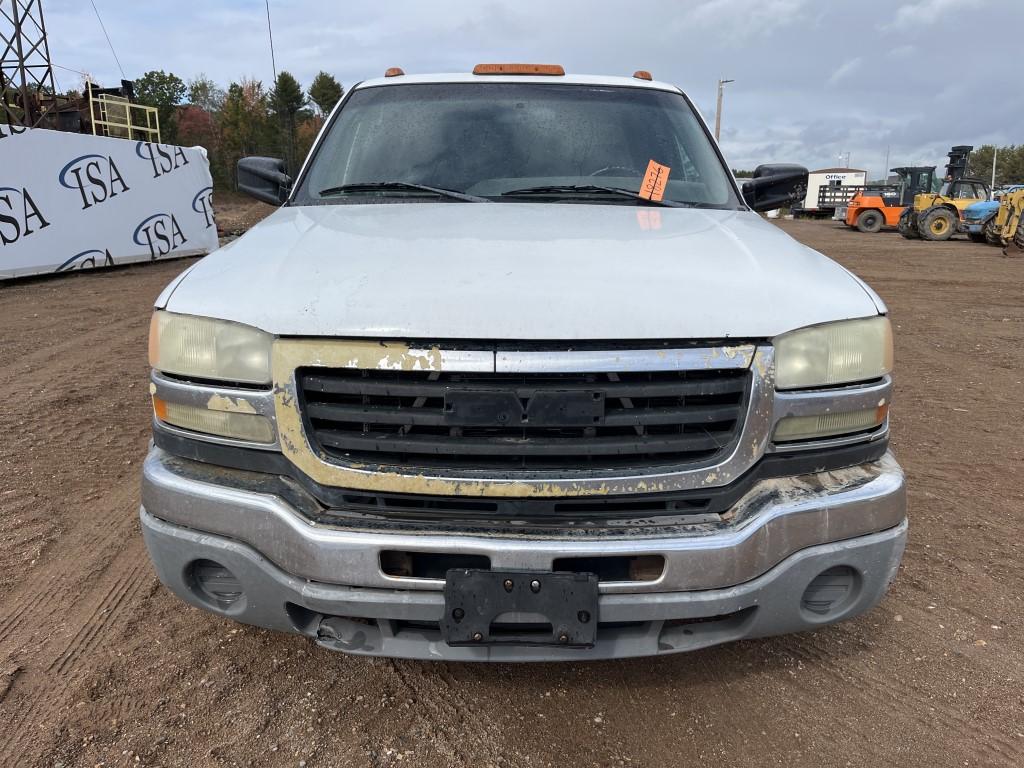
[[653, 185]]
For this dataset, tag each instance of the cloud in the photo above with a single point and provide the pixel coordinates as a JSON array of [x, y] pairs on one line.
[[813, 79], [929, 12], [845, 70], [743, 20], [902, 51]]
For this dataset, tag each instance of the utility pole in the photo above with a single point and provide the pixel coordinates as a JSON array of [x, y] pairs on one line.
[[718, 109], [992, 189], [885, 171], [26, 74]]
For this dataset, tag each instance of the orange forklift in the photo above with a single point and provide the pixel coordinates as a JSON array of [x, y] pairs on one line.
[[879, 206]]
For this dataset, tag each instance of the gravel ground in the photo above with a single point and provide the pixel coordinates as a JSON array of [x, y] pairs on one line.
[[99, 665]]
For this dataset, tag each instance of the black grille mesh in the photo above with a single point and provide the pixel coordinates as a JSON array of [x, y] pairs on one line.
[[417, 419]]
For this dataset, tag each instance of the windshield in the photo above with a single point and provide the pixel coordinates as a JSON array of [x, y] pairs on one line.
[[514, 142]]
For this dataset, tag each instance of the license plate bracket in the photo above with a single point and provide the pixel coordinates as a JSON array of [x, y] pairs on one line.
[[474, 599]]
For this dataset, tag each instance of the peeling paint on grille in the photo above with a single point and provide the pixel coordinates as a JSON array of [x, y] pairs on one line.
[[291, 354]]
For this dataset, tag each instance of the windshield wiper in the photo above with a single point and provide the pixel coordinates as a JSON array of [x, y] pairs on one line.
[[573, 190], [399, 186]]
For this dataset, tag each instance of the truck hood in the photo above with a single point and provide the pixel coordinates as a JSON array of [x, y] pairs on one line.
[[519, 271]]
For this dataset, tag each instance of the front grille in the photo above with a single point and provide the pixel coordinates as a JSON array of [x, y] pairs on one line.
[[520, 421]]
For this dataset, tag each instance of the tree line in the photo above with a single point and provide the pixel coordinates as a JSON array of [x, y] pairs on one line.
[[248, 119], [244, 119], [1009, 164]]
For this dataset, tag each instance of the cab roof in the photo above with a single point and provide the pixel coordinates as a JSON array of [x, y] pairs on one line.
[[467, 77]]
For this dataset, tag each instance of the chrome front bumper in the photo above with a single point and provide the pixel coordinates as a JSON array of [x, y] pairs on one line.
[[741, 577]]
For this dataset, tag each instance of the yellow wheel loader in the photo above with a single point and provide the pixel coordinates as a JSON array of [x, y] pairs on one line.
[[1009, 222], [939, 215]]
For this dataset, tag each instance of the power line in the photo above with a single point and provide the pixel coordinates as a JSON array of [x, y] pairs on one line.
[[69, 69], [270, 32], [104, 28]]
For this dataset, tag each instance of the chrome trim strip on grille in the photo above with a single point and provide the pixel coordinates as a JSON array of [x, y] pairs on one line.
[[620, 361], [467, 360]]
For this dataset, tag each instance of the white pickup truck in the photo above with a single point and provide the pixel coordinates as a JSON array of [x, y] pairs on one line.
[[516, 372]]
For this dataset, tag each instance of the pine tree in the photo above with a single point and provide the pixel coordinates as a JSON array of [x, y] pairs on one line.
[[325, 92], [286, 100]]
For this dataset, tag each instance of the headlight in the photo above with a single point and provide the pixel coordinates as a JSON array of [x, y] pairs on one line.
[[203, 348], [834, 353]]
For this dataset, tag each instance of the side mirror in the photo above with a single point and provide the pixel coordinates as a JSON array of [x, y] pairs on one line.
[[774, 186], [264, 178]]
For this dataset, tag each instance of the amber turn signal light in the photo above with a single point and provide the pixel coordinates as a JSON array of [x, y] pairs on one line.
[[393, 72], [236, 425], [554, 70], [160, 408], [642, 74]]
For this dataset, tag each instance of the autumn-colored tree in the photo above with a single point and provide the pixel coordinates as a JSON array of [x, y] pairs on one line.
[[199, 128], [244, 125], [196, 126], [305, 135]]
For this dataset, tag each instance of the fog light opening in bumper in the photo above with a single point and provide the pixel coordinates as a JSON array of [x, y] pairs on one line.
[[830, 593], [215, 585]]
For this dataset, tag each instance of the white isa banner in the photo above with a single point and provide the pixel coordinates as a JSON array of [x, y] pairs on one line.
[[75, 201]]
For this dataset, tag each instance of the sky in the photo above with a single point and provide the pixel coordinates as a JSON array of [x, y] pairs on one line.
[[815, 80]]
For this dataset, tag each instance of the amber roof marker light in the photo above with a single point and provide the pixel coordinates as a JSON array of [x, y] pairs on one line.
[[393, 72], [551, 70], [642, 74]]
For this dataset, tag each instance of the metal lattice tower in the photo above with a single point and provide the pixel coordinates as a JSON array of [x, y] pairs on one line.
[[26, 75]]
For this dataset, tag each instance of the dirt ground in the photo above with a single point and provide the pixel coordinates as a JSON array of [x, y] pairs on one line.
[[99, 665], [236, 213]]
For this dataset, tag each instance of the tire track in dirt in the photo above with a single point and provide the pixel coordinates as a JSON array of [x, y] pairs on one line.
[[61, 668], [46, 597], [125, 585], [455, 732]]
